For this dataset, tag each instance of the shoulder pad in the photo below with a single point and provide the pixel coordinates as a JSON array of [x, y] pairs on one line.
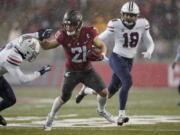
[[111, 24], [115, 19], [14, 59], [145, 23]]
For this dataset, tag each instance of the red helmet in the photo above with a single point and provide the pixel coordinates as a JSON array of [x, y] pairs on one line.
[[72, 18]]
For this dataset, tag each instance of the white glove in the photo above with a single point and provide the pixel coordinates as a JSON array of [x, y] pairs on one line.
[[147, 55], [105, 58]]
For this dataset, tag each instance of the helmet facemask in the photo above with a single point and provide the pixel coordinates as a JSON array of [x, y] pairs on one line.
[[129, 19], [29, 48], [72, 22], [129, 13]]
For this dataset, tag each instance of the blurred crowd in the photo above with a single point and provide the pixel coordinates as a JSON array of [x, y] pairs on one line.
[[23, 16]]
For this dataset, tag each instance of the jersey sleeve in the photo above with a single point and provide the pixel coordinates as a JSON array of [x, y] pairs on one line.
[[93, 32], [111, 25], [59, 36], [16, 72], [146, 24], [108, 35], [14, 59]]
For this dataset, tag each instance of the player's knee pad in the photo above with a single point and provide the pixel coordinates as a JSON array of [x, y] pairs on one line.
[[66, 97]]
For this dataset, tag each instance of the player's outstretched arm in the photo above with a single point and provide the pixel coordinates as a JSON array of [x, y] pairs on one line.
[[16, 72], [49, 44]]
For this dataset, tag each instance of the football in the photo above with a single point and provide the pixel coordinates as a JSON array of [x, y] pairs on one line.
[[94, 54]]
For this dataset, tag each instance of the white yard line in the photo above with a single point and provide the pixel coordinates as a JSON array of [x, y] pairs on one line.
[[73, 121]]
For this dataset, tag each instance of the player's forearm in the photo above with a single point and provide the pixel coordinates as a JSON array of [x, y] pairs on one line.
[[49, 44], [149, 42], [103, 49], [29, 77], [21, 77], [100, 44]]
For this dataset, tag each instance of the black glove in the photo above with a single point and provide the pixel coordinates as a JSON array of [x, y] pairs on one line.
[[44, 33], [45, 69], [173, 65]]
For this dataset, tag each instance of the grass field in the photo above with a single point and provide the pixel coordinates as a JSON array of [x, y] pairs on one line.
[[151, 111]]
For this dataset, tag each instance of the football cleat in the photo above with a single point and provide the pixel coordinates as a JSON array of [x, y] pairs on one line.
[[80, 95], [122, 120], [48, 123], [109, 117], [2, 121]]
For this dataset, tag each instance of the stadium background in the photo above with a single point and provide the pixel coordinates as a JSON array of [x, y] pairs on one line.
[[24, 16]]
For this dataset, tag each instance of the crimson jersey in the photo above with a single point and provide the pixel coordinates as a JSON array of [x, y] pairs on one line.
[[76, 48]]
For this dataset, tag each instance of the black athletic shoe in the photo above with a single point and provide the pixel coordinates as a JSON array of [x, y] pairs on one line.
[[80, 96], [2, 121], [122, 120]]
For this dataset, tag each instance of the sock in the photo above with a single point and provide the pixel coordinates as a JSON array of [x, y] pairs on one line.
[[88, 91], [55, 107], [122, 113], [101, 103]]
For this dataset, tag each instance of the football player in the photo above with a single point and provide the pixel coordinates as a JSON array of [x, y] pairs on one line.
[[176, 59], [77, 40], [128, 33], [23, 48]]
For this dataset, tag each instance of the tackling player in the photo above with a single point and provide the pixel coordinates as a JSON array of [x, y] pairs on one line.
[[23, 48], [77, 40], [128, 33]]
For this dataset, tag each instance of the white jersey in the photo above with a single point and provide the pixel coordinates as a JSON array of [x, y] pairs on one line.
[[11, 59], [128, 40]]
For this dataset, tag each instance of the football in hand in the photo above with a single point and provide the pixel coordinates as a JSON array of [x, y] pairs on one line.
[[94, 54]]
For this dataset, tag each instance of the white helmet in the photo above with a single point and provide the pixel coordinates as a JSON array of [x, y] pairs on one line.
[[29, 47], [131, 8]]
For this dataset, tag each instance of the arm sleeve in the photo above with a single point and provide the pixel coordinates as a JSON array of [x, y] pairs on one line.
[[16, 72], [148, 41], [59, 36], [177, 58], [108, 35]]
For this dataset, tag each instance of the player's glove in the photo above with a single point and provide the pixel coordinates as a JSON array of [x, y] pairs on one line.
[[105, 59], [45, 69], [44, 33], [147, 55]]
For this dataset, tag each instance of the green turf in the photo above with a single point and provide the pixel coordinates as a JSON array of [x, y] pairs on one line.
[[142, 101]]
